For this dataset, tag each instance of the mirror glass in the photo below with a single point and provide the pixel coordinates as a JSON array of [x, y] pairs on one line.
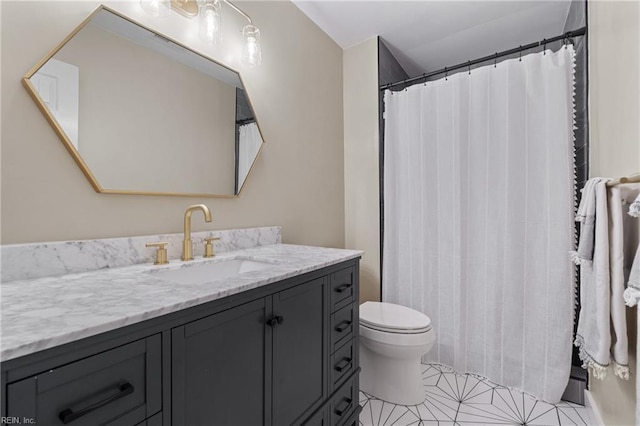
[[142, 114]]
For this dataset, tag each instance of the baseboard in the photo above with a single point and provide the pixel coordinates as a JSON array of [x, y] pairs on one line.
[[574, 392], [590, 403]]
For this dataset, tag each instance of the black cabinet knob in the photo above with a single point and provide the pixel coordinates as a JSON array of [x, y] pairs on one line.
[[278, 319], [342, 364], [342, 288], [343, 406], [343, 326]]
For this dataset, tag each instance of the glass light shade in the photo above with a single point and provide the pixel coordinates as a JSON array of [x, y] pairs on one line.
[[251, 50], [210, 21], [156, 7]]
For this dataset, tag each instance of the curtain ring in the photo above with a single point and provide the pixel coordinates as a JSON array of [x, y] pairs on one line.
[[424, 75], [520, 54], [544, 46], [568, 41], [446, 74], [495, 60], [469, 66]]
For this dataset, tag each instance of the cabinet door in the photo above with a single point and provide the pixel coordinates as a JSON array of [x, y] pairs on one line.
[[300, 351], [218, 368]]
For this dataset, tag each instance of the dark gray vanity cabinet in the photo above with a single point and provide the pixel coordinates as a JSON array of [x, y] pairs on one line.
[[263, 362], [281, 354]]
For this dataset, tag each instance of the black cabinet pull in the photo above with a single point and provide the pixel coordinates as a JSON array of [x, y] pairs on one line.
[[343, 406], [344, 363], [275, 321], [343, 326], [342, 288], [68, 415]]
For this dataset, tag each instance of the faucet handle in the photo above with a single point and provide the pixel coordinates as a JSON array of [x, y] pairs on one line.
[[208, 246], [161, 252]]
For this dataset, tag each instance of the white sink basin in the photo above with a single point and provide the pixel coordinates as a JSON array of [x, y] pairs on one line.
[[202, 272]]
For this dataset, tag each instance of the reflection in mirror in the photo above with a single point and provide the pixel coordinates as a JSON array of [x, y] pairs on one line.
[[142, 114], [248, 138]]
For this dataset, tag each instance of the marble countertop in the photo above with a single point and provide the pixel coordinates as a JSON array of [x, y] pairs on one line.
[[46, 312]]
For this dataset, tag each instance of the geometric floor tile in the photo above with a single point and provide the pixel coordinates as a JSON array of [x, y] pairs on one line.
[[469, 400]]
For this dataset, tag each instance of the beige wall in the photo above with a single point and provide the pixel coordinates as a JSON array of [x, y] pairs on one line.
[[297, 182], [614, 87], [177, 134], [614, 104], [361, 171]]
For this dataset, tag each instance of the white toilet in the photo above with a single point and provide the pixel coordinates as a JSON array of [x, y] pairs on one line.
[[393, 338]]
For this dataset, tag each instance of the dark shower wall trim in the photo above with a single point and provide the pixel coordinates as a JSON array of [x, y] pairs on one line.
[[389, 70], [577, 17]]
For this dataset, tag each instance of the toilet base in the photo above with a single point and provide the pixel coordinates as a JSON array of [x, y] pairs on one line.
[[390, 379]]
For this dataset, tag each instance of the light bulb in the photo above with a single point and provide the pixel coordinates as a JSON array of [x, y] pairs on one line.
[[210, 20], [251, 51], [156, 7]]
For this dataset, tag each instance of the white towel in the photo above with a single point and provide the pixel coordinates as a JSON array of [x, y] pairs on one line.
[[632, 239], [632, 293], [602, 307], [634, 208], [593, 337], [586, 216], [622, 245], [638, 375]]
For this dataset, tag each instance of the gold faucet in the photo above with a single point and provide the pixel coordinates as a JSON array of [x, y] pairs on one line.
[[187, 244]]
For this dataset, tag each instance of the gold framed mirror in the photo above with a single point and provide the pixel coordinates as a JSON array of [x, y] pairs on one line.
[[143, 114]]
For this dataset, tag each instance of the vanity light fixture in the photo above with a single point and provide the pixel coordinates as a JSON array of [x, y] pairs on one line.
[[156, 7], [251, 52], [210, 22]]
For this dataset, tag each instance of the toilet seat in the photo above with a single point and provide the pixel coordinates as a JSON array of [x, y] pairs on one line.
[[394, 330], [392, 318]]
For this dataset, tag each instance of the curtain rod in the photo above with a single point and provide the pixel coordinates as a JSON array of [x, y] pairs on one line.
[[575, 33], [625, 179], [245, 121]]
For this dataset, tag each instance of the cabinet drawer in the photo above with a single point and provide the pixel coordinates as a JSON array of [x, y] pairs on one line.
[[344, 401], [342, 363], [119, 387], [342, 288], [342, 326]]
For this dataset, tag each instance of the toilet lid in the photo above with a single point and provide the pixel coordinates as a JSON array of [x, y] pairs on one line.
[[393, 318]]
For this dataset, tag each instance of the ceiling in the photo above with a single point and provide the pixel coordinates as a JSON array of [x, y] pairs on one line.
[[429, 35]]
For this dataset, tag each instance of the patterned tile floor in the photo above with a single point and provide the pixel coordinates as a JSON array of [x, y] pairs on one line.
[[467, 399]]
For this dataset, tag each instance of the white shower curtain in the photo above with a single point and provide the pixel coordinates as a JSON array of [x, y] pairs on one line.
[[478, 217]]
